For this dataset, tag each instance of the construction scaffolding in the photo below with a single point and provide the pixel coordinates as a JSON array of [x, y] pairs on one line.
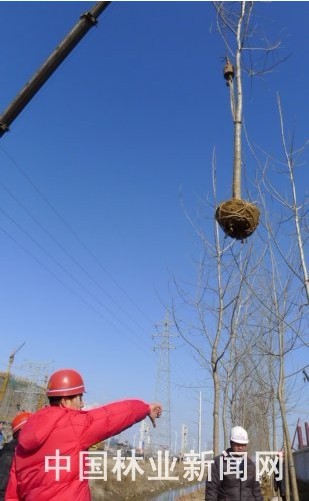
[[25, 393]]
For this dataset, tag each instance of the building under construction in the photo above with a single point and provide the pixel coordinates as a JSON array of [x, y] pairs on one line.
[[25, 393], [20, 394]]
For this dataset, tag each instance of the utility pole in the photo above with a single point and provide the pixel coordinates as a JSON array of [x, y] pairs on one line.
[[144, 438], [163, 385], [200, 426], [184, 439]]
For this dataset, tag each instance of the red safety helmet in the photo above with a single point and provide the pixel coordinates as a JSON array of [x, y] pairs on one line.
[[19, 421], [65, 383]]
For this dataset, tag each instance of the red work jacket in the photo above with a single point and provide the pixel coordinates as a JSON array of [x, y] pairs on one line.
[[70, 432]]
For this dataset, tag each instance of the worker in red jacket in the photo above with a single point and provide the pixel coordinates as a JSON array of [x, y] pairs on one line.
[[7, 453], [62, 432]]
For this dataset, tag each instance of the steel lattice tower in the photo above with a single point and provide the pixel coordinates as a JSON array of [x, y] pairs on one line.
[[162, 436]]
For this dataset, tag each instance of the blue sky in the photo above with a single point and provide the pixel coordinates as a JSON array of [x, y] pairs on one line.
[[99, 159]]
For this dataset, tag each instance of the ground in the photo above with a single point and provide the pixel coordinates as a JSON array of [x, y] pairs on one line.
[[125, 489], [198, 495], [112, 489], [268, 494]]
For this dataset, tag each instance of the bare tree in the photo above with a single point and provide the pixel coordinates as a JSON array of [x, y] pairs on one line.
[[235, 29], [216, 305], [281, 312], [245, 318], [237, 217], [296, 210], [286, 224]]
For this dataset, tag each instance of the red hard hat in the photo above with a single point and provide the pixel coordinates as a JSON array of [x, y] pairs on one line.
[[19, 421], [65, 383]]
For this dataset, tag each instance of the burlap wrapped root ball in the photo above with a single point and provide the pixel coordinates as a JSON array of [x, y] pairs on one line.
[[237, 218]]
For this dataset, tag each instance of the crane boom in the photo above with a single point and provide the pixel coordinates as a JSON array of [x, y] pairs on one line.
[[87, 21], [17, 349], [8, 371]]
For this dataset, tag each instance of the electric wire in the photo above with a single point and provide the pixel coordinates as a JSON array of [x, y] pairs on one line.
[[69, 274], [71, 230], [68, 254], [13, 239], [38, 191], [72, 258], [174, 383]]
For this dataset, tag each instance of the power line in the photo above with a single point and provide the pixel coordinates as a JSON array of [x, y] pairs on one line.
[[72, 258], [66, 252], [71, 230], [68, 287]]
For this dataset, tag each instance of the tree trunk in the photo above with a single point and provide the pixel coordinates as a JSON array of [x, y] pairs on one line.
[[238, 110]]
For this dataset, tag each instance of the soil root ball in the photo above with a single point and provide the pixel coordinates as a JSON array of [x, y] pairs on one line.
[[238, 218]]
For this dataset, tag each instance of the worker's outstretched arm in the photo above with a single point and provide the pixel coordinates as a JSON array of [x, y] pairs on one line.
[[109, 420]]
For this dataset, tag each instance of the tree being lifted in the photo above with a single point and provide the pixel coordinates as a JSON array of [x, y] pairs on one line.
[[237, 217]]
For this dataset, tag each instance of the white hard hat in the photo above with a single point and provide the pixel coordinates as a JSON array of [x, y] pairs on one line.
[[239, 435]]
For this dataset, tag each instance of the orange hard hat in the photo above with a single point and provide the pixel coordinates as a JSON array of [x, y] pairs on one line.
[[19, 421], [65, 383]]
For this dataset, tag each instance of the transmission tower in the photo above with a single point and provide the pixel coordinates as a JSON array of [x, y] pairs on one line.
[[162, 436]]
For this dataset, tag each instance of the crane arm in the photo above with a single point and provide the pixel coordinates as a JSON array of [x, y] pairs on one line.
[[8, 372], [11, 359], [87, 21], [19, 348]]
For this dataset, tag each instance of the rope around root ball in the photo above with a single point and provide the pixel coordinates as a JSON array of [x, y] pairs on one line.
[[238, 218]]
